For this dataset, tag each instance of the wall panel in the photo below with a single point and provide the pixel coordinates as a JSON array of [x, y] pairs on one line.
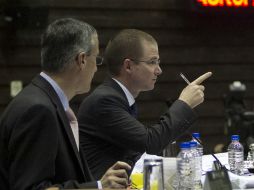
[[189, 41]]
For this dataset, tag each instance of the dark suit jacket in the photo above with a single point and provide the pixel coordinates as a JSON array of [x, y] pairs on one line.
[[109, 133], [37, 147]]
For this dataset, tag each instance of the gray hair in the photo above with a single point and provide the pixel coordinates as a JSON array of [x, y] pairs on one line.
[[62, 41]]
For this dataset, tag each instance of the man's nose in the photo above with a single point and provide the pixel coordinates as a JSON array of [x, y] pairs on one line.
[[158, 70]]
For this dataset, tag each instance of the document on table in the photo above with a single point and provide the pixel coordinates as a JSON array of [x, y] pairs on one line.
[[207, 161]]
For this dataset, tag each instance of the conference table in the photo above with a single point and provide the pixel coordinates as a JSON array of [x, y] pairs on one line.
[[245, 181]]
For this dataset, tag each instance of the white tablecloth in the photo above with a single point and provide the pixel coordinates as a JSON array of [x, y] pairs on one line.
[[169, 166]]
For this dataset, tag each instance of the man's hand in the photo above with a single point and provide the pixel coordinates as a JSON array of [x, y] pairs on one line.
[[116, 177], [193, 94]]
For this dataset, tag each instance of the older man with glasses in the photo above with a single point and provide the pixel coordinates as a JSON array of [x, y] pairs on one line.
[[39, 135], [109, 129]]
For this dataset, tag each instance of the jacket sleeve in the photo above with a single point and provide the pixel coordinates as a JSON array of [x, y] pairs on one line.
[[118, 126]]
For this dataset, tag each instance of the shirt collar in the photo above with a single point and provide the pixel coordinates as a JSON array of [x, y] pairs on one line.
[[58, 90], [127, 93]]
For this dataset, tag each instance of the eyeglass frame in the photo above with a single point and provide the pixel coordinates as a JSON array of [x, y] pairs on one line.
[[99, 59], [149, 62]]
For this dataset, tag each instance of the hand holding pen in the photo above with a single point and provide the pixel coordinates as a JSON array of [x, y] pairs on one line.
[[193, 94]]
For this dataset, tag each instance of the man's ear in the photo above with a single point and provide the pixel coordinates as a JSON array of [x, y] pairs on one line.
[[81, 59], [127, 65]]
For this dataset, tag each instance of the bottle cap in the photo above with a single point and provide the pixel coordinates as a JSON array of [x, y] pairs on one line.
[[193, 144], [197, 135], [235, 137], [185, 145]]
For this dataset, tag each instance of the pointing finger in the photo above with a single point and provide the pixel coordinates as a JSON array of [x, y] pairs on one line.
[[200, 79]]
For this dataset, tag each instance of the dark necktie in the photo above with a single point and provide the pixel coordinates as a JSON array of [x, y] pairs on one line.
[[134, 110]]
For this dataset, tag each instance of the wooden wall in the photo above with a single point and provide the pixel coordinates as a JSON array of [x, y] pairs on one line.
[[191, 42]]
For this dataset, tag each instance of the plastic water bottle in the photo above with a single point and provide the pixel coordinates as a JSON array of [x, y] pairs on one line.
[[199, 146], [184, 168], [235, 155], [196, 166]]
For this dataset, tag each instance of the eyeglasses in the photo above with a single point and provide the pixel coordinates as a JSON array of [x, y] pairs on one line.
[[149, 62], [99, 60]]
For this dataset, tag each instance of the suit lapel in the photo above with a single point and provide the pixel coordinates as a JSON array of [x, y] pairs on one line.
[[110, 82], [113, 84], [48, 89], [129, 156]]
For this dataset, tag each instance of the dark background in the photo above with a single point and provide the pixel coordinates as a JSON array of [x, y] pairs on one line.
[[191, 41]]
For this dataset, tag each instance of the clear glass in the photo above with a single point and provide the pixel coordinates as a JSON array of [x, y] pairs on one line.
[[153, 174]]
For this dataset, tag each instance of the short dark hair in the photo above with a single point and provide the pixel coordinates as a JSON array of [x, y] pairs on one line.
[[62, 41], [126, 44]]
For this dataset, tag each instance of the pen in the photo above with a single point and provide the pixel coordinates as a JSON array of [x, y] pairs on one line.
[[184, 78]]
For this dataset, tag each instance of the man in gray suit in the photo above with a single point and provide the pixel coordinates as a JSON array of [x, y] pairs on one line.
[[39, 141], [109, 130]]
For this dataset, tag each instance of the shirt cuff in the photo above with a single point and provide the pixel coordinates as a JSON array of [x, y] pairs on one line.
[[99, 185]]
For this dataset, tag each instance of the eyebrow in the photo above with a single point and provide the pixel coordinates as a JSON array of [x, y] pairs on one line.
[[154, 57]]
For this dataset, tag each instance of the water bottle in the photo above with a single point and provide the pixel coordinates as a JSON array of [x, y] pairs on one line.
[[235, 155], [199, 146], [196, 166], [184, 168]]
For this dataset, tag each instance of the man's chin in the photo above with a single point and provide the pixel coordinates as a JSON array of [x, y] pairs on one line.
[[151, 87], [148, 88], [83, 91]]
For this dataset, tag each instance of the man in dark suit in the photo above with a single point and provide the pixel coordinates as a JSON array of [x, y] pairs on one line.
[[109, 130], [39, 142]]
